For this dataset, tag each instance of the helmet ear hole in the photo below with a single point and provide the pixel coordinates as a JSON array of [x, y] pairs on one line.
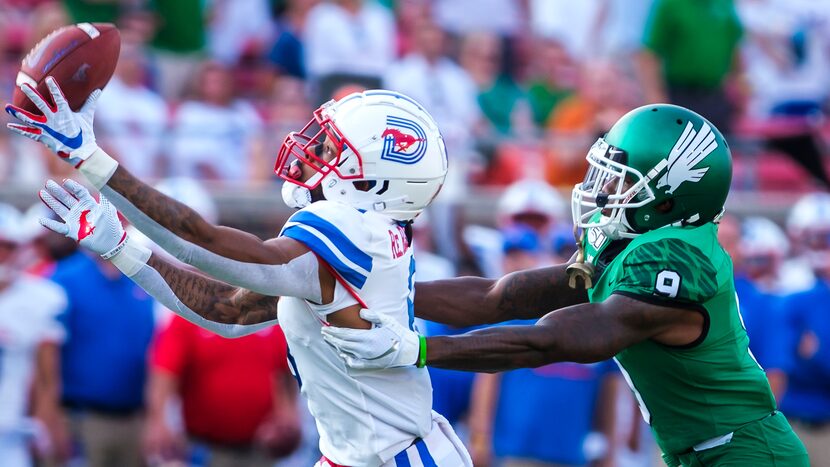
[[364, 185], [665, 207]]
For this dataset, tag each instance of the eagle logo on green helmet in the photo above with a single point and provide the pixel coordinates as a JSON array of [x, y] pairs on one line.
[[689, 150]]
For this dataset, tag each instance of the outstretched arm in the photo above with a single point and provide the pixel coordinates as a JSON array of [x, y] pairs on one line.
[[588, 332], [584, 333], [153, 213], [468, 301], [224, 309], [230, 255]]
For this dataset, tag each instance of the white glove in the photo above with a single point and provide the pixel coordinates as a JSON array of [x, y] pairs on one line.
[[386, 345], [66, 133], [93, 224]]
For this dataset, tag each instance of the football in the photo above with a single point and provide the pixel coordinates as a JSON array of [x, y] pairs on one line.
[[81, 58]]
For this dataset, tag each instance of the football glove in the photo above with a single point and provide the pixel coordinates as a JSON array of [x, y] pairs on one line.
[[66, 133], [386, 345], [93, 224]]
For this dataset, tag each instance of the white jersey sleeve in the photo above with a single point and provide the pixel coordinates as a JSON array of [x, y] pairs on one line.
[[336, 234]]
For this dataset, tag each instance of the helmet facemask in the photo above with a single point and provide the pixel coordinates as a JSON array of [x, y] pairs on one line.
[[610, 187], [320, 146]]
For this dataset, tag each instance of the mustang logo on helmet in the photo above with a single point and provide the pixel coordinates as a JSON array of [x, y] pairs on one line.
[[691, 148], [404, 141]]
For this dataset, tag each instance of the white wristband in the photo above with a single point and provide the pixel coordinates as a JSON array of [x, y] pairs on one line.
[[98, 168], [130, 258]]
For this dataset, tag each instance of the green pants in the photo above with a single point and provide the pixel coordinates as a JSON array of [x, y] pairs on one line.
[[766, 442]]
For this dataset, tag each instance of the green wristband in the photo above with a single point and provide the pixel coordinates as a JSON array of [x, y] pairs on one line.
[[422, 352]]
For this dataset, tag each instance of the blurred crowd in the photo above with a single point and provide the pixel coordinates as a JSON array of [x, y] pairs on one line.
[[205, 91], [208, 89]]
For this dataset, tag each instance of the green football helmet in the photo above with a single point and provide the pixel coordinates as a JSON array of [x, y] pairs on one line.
[[658, 165]]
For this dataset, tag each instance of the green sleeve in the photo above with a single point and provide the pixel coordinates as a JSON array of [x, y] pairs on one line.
[[668, 268]]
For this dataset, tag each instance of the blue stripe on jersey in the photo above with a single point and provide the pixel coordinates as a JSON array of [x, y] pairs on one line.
[[401, 460], [410, 307], [426, 457], [316, 245], [294, 367], [337, 237]]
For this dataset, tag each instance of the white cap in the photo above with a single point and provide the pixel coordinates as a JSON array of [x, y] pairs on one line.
[[532, 196]]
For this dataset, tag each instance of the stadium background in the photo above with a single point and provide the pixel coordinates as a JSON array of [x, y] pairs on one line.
[[207, 89]]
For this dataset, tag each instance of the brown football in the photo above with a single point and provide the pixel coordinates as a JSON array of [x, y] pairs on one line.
[[81, 58]]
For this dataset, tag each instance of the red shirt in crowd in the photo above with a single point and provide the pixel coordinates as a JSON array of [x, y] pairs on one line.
[[226, 385]]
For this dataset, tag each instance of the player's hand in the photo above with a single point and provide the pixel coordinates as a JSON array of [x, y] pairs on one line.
[[66, 133], [386, 345], [93, 224]]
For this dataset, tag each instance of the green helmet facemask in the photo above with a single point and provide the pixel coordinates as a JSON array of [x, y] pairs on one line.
[[659, 165]]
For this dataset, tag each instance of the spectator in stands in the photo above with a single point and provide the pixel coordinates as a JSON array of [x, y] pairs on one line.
[[761, 251], [348, 41], [92, 11], [808, 218], [287, 109], [238, 397], [502, 101], [30, 339], [604, 94], [178, 43], [133, 119], [287, 51], [236, 27], [214, 135], [527, 203], [691, 51], [552, 77], [807, 400], [560, 414], [504, 18], [729, 235], [109, 321], [786, 56], [446, 90]]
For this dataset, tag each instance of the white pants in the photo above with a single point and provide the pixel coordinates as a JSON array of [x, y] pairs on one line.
[[440, 448]]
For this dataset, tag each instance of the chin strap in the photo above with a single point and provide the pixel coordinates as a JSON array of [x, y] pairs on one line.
[[579, 269]]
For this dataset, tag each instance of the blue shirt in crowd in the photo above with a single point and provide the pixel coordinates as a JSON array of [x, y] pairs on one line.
[[766, 325], [546, 413], [109, 325], [808, 391]]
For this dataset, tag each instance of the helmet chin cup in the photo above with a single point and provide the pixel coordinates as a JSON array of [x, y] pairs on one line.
[[295, 196]]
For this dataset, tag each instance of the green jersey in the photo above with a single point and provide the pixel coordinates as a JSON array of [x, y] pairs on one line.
[[699, 391]]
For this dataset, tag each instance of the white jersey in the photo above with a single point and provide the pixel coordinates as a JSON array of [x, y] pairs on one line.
[[28, 310], [364, 417]]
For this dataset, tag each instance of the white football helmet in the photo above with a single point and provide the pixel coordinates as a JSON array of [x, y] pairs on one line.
[[11, 225], [809, 226], [384, 138], [761, 237]]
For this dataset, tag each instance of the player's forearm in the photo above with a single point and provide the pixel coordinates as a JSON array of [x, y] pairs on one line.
[[488, 350], [468, 301], [570, 334], [230, 255], [215, 300], [222, 309], [172, 224]]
